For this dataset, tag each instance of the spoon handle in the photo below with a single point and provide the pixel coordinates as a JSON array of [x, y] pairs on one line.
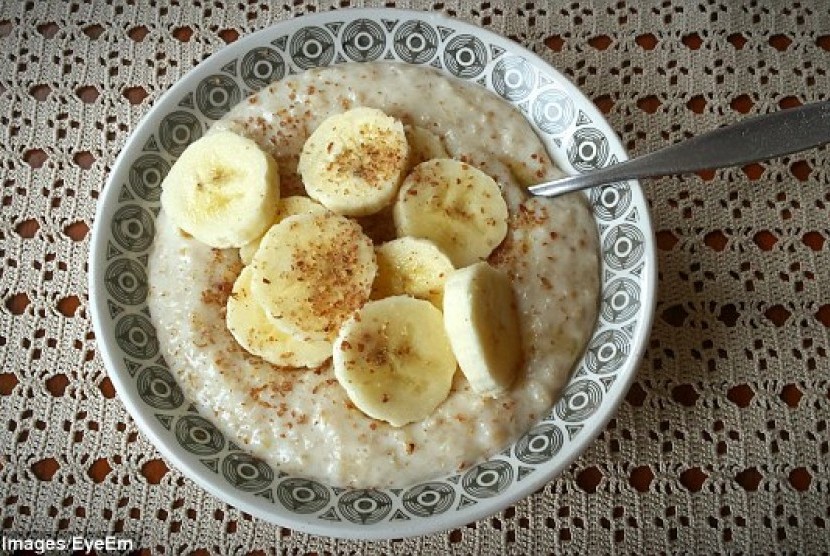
[[757, 138]]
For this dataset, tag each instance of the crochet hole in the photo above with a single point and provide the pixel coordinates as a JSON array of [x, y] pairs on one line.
[[800, 479], [685, 395], [789, 102], [765, 239], [138, 33], [17, 303], [182, 34], [35, 157], [106, 388], [99, 470], [749, 479], [692, 41], [88, 94], [737, 40], [555, 43], [742, 104], [228, 35], [823, 316], [647, 41], [753, 171], [154, 471], [813, 240], [93, 31], [780, 42], [40, 92], [602, 42], [135, 95], [778, 314], [588, 479], [716, 239], [801, 170], [697, 104], [641, 478], [791, 395], [28, 228], [693, 479], [741, 395], [84, 159], [7, 383], [57, 384], [76, 231], [45, 469], [48, 30], [68, 306]]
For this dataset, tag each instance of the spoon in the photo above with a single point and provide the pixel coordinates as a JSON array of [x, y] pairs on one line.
[[757, 138]]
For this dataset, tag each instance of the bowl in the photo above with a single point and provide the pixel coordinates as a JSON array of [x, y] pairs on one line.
[[577, 138]]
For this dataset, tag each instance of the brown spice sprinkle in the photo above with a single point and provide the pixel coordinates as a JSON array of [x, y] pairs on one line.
[[375, 160], [218, 294], [327, 266]]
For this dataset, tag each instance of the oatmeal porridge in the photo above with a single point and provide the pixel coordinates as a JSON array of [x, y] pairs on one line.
[[301, 420]]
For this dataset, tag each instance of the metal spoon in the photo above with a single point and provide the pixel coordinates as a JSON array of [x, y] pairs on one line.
[[757, 138]]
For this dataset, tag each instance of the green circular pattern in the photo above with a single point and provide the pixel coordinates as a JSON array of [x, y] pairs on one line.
[[159, 389], [136, 335], [303, 496], [365, 506], [217, 94], [126, 281], [429, 499], [246, 472], [540, 444], [488, 479], [133, 228], [146, 175], [199, 436], [177, 130], [262, 66], [363, 40]]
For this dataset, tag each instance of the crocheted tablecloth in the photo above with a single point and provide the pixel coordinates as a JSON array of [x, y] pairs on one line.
[[722, 444]]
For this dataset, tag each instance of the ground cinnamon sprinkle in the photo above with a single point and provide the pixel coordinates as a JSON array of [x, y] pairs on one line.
[[218, 294]]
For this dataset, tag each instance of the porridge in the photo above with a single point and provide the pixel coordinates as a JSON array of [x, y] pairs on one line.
[[301, 420]]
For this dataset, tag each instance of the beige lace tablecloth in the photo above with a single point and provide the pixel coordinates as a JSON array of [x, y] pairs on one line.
[[723, 443]]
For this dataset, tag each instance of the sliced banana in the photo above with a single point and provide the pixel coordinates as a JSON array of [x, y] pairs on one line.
[[223, 190], [394, 359], [483, 326], [454, 205], [353, 163], [411, 266], [312, 271], [423, 145], [287, 206], [256, 333]]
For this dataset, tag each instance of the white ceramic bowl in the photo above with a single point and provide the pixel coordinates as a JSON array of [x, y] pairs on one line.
[[578, 139]]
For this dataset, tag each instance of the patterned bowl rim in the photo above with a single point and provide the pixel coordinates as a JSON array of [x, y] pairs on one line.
[[166, 444]]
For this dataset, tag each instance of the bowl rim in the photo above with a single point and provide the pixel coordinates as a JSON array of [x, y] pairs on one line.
[[200, 475]]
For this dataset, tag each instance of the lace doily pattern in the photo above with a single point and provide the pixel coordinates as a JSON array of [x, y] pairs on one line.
[[722, 444]]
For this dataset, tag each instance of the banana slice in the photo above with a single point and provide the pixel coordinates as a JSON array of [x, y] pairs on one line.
[[287, 206], [394, 359], [353, 163], [456, 206], [423, 145], [256, 333], [483, 326], [223, 190], [312, 271], [412, 266]]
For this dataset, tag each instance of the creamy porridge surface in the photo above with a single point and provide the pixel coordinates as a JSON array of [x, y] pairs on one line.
[[301, 420]]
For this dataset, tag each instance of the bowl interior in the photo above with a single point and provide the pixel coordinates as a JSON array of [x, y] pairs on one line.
[[578, 139]]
